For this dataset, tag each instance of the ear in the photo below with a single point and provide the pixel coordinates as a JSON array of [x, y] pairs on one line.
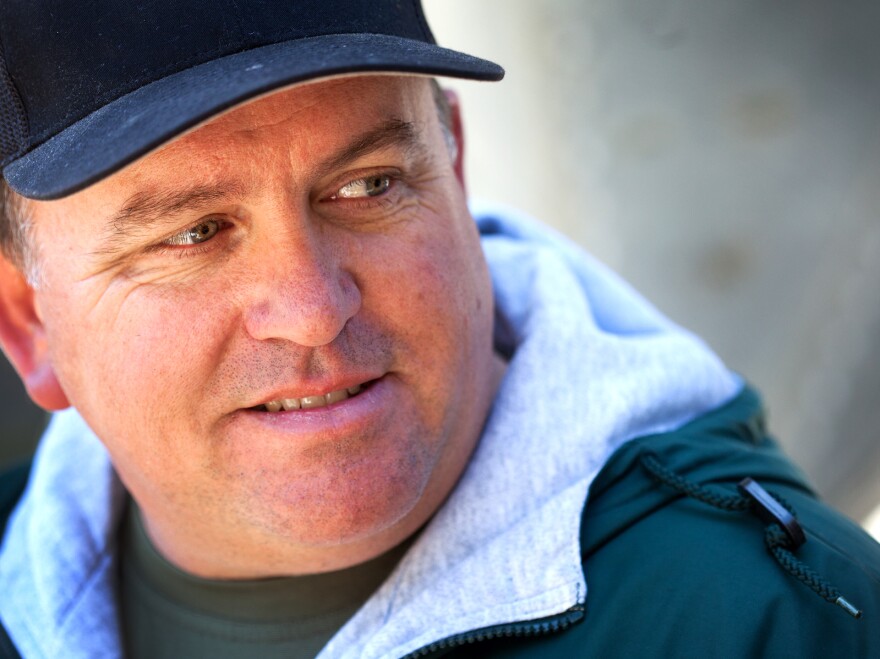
[[457, 128], [23, 339]]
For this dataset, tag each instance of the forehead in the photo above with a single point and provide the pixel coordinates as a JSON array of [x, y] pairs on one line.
[[312, 114]]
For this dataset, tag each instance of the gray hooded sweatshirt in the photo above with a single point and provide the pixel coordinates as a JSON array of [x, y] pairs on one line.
[[591, 365]]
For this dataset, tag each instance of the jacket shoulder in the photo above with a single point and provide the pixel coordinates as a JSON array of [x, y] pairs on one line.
[[671, 575]]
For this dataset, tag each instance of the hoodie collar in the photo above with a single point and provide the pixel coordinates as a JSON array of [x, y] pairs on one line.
[[58, 558]]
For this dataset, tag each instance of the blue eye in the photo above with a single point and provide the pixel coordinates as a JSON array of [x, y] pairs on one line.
[[201, 232], [369, 186]]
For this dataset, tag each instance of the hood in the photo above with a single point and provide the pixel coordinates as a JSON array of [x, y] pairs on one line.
[[590, 366]]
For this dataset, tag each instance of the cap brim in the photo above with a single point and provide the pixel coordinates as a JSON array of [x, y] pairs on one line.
[[139, 122]]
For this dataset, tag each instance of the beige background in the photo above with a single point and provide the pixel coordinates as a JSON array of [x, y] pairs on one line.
[[725, 157]]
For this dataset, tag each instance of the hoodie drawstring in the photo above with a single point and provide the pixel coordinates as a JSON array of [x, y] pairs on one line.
[[782, 535]]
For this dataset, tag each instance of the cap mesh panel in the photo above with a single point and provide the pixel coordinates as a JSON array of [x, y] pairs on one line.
[[13, 123]]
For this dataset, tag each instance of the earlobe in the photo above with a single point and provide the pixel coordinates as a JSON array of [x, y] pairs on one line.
[[456, 127], [23, 339]]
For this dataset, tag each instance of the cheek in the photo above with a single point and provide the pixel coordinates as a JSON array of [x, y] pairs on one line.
[[452, 280], [139, 356], [433, 290]]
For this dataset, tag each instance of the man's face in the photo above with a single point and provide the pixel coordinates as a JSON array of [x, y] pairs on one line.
[[312, 242]]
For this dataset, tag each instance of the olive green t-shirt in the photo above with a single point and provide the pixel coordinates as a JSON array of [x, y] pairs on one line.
[[168, 613]]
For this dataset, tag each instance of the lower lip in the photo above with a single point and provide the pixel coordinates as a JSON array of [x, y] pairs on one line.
[[345, 417]]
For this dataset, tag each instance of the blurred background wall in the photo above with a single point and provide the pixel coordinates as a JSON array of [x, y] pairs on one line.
[[21, 422], [725, 158]]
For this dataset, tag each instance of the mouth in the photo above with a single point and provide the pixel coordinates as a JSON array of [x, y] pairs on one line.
[[313, 401]]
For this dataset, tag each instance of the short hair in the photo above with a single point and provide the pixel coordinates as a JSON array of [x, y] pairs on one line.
[[15, 229], [444, 110], [16, 242]]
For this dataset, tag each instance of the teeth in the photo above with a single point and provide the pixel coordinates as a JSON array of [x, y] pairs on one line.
[[336, 396], [310, 402]]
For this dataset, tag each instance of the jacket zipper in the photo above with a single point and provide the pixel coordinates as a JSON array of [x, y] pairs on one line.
[[549, 625]]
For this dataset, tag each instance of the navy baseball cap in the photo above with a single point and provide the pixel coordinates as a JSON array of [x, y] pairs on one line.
[[88, 86]]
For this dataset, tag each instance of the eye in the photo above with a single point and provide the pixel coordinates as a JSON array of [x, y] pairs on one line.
[[369, 186], [199, 233]]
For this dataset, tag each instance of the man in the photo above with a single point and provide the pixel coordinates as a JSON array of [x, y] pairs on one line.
[[306, 417]]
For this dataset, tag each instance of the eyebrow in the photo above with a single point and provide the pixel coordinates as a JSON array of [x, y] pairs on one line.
[[394, 132], [145, 209]]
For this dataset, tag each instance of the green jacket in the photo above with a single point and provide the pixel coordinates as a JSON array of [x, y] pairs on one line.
[[670, 575]]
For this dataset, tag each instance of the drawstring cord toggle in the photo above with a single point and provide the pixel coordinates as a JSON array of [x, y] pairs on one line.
[[771, 511], [782, 535]]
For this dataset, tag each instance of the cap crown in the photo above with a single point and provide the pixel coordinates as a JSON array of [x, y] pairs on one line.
[[62, 60]]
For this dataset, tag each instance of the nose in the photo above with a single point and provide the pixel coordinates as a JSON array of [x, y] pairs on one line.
[[305, 294]]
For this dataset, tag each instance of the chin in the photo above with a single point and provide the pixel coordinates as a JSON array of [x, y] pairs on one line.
[[349, 507]]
